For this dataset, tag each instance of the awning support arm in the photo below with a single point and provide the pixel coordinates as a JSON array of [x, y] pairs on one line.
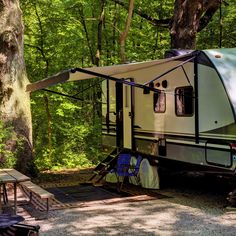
[[186, 75], [172, 69], [62, 94], [91, 86], [122, 81]]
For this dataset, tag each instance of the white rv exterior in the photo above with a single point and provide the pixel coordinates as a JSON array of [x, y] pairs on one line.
[[163, 130], [179, 110]]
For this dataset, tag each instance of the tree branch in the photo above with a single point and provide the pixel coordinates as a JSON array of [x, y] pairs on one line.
[[162, 22], [211, 8]]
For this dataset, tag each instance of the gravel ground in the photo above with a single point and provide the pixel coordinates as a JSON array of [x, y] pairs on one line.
[[155, 217], [193, 207]]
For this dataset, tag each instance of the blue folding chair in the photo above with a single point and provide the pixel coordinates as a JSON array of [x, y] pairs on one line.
[[124, 169]]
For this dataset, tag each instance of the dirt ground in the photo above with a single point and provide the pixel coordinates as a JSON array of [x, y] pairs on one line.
[[64, 176]]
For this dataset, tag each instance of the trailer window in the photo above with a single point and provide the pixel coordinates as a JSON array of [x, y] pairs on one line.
[[184, 101], [159, 102]]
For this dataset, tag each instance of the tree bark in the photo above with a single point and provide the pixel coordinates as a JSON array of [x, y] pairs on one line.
[[14, 101], [189, 18]]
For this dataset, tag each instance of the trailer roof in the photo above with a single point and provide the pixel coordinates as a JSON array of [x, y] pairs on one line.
[[224, 61]]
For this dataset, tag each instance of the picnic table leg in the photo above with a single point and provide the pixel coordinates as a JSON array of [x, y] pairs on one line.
[[15, 196], [47, 205], [5, 197]]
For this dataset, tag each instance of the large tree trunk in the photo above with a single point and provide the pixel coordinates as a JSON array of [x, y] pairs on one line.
[[14, 101], [189, 18]]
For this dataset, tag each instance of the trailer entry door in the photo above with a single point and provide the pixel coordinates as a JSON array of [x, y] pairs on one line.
[[127, 116], [124, 116]]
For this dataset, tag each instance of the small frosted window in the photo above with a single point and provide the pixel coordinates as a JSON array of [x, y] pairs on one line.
[[159, 102]]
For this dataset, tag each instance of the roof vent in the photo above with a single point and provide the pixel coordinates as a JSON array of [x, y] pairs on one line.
[[217, 56]]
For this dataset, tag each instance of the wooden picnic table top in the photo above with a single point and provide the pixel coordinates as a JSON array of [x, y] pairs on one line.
[[12, 176]]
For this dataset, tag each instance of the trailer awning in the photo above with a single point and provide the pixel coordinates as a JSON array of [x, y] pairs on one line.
[[116, 70]]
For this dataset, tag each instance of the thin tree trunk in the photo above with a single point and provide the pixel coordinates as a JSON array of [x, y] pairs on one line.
[[14, 101], [45, 97], [83, 22], [49, 120], [41, 42], [114, 30], [100, 27], [124, 34]]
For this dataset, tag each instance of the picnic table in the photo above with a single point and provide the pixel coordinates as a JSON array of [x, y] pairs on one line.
[[14, 177]]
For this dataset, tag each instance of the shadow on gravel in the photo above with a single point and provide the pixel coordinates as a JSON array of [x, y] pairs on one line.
[[201, 189]]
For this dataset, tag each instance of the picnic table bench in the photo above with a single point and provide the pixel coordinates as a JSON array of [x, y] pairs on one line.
[[37, 190]]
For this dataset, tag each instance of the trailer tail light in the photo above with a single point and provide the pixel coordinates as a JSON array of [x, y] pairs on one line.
[[233, 145]]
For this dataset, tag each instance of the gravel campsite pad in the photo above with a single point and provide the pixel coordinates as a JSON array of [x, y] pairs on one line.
[[192, 206]]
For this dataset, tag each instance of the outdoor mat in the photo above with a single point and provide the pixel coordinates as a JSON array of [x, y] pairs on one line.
[[81, 193], [87, 195], [84, 195]]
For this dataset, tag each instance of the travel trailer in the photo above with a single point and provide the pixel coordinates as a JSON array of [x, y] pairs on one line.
[[179, 111]]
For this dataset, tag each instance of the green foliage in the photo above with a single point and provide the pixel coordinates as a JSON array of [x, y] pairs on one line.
[[211, 37], [74, 133], [7, 157]]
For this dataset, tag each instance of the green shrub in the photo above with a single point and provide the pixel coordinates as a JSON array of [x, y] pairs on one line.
[[7, 140]]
